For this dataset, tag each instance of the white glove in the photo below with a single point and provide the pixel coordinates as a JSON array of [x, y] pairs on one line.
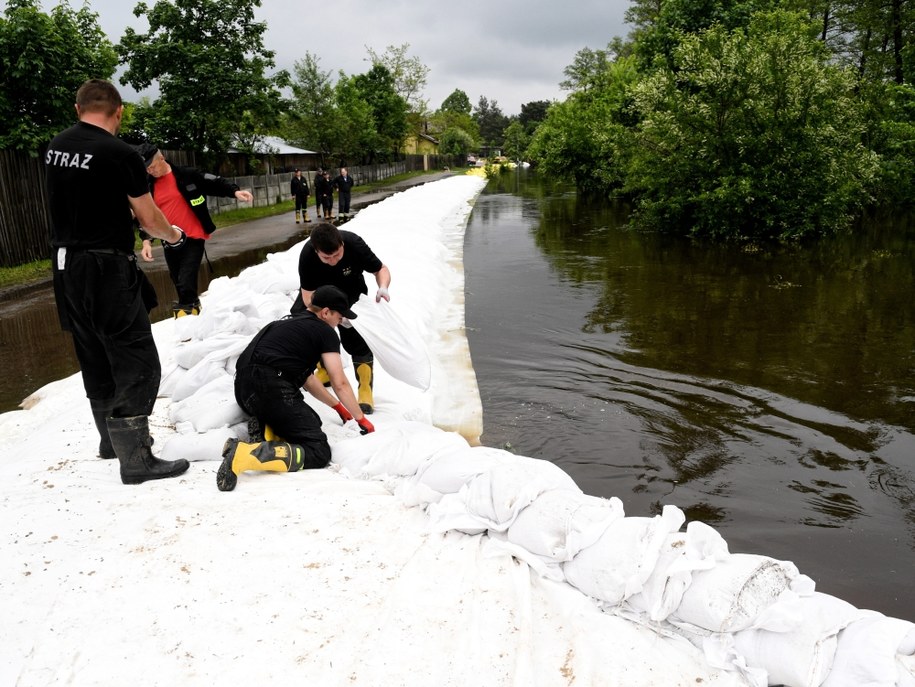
[[382, 293], [345, 323]]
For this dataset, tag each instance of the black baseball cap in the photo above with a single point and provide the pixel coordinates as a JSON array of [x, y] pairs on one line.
[[147, 152], [333, 298]]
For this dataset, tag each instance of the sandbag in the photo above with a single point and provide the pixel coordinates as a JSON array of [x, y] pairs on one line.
[[803, 656], [400, 352], [733, 594], [561, 522], [395, 449], [683, 553], [874, 650], [617, 565], [493, 499]]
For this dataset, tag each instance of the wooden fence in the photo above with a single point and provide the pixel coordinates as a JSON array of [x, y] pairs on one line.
[[24, 219]]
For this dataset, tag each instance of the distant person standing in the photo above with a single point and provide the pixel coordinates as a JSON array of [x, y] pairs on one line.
[[181, 193], [320, 192], [96, 185], [298, 186], [327, 201], [344, 185]]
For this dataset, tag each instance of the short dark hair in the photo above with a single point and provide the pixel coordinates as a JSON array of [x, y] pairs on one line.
[[98, 95], [325, 237]]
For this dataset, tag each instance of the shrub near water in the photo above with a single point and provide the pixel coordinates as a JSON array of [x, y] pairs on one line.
[[752, 134]]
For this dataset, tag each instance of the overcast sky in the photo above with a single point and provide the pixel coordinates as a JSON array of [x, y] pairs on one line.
[[510, 51]]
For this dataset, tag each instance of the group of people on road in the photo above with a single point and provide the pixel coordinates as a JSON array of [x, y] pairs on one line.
[[324, 194], [99, 189]]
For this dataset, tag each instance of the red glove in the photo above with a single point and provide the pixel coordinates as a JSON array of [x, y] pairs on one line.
[[343, 413], [365, 426]]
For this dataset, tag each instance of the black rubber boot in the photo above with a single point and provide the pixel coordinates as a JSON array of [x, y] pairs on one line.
[[131, 441], [101, 410]]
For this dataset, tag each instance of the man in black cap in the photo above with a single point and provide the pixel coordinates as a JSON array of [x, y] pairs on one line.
[[181, 193], [269, 376]]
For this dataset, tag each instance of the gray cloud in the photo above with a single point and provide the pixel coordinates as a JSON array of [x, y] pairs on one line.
[[510, 51]]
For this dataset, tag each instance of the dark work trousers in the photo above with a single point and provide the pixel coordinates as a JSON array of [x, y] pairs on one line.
[[301, 202], [183, 266], [101, 304], [328, 202], [343, 199], [355, 345], [263, 392]]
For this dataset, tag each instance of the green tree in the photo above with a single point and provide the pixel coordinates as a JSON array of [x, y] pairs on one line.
[[532, 114], [44, 58], [584, 138], [516, 141], [752, 133], [409, 75], [355, 137], [455, 141], [457, 102], [389, 110], [491, 121], [312, 113], [209, 60]]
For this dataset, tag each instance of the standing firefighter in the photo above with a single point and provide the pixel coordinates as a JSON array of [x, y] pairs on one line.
[[298, 187], [269, 377], [94, 181], [339, 258]]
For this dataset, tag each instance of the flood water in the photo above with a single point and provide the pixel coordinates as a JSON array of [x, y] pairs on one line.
[[766, 391]]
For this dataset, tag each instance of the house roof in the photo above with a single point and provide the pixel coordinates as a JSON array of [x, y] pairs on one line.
[[273, 145]]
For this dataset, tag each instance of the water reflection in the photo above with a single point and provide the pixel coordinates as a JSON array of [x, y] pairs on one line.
[[766, 390]]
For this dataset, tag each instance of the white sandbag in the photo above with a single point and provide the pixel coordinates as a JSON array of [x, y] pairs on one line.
[[194, 446], [493, 499], [451, 470], [683, 553], [223, 346], [874, 650], [211, 407], [561, 522], [400, 352], [733, 594], [803, 656], [210, 368], [394, 449], [617, 565]]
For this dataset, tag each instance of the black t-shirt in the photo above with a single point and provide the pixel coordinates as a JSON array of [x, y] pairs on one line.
[[293, 345], [90, 174], [346, 274]]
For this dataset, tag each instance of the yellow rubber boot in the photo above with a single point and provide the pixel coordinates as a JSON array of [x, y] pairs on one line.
[[305, 216], [239, 456], [365, 376], [322, 375], [298, 216]]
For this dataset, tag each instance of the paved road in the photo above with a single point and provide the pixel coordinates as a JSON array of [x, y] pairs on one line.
[[228, 241]]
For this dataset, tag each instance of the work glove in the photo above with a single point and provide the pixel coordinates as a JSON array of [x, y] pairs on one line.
[[365, 426], [179, 242], [382, 293], [345, 323], [344, 414]]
